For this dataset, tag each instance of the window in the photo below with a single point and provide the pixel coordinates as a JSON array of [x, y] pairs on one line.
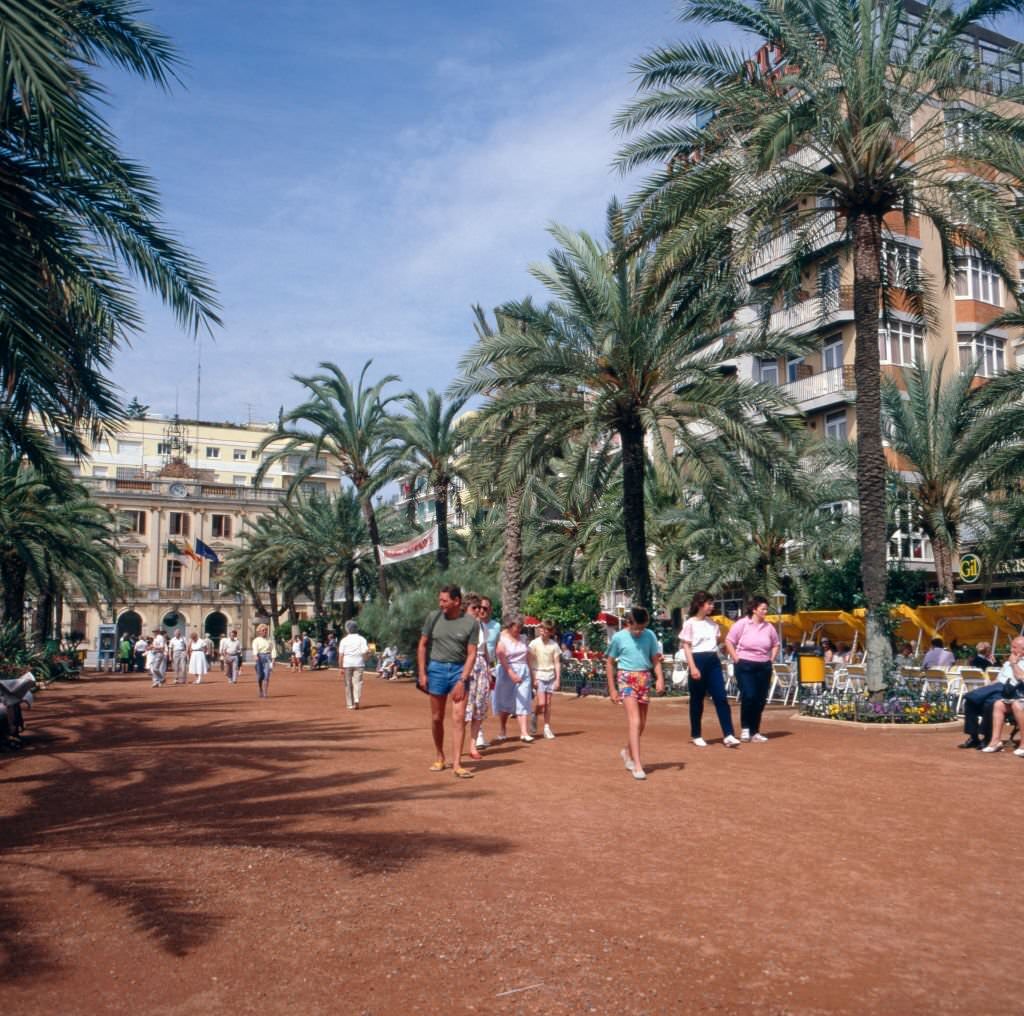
[[1001, 72], [832, 353], [908, 541], [133, 522], [835, 425], [132, 449], [215, 582], [828, 284], [768, 371], [962, 128], [793, 365], [100, 471], [240, 481], [987, 349], [131, 569], [977, 280], [901, 265], [220, 526], [212, 453], [178, 524], [900, 343], [174, 574], [163, 448], [79, 620], [240, 455]]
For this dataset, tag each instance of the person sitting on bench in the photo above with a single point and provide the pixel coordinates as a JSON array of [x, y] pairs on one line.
[[1011, 701]]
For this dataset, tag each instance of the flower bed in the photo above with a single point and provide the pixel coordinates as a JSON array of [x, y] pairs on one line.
[[898, 703]]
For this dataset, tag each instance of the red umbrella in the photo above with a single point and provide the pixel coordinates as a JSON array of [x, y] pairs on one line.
[[605, 618], [531, 622]]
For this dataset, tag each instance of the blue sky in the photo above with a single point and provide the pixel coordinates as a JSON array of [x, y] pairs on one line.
[[356, 175]]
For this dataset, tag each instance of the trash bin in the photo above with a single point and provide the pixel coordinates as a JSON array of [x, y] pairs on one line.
[[810, 665]]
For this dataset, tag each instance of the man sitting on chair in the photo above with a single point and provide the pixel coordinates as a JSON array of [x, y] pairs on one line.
[[978, 700], [938, 656]]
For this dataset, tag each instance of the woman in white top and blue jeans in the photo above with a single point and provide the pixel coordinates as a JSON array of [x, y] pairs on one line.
[[700, 636]]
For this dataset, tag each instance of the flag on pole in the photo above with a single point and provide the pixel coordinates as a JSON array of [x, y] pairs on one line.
[[173, 550], [205, 550], [416, 547], [189, 551]]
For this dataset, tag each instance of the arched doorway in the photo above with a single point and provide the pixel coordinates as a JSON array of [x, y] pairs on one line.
[[175, 619], [216, 626], [129, 623]]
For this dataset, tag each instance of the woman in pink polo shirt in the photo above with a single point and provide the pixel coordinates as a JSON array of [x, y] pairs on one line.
[[753, 645]]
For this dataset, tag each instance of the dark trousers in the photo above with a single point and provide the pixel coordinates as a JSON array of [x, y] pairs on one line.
[[711, 683], [754, 680], [978, 711]]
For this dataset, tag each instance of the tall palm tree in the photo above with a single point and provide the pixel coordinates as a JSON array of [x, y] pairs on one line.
[[350, 424], [432, 443], [605, 364], [954, 442], [79, 224], [861, 90]]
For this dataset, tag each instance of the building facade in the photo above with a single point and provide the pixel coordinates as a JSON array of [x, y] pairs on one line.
[[170, 483]]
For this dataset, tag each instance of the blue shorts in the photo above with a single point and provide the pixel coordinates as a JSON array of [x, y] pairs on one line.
[[443, 677]]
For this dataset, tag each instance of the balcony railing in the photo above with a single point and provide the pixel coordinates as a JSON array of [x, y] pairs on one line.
[[773, 254], [818, 311], [828, 382], [160, 488]]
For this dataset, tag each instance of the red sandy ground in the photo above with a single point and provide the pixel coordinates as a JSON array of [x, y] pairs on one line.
[[198, 850]]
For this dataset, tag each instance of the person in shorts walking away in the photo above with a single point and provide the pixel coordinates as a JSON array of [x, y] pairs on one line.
[[445, 658], [633, 654], [353, 649], [699, 639], [545, 660]]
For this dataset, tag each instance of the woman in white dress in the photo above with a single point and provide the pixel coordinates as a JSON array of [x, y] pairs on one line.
[[197, 664]]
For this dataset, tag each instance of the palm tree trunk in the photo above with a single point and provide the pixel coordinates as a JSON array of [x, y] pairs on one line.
[[275, 607], [441, 519], [14, 573], [350, 591], [631, 434], [867, 248], [371, 524], [512, 563], [943, 566]]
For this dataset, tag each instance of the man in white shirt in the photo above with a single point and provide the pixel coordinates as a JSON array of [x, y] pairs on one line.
[[938, 656], [158, 657], [178, 649], [353, 649], [141, 648], [231, 655], [222, 652]]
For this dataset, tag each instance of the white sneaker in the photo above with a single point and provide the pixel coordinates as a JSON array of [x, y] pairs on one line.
[[730, 741], [630, 765], [760, 738], [992, 748], [639, 774], [549, 734], [744, 735], [481, 741], [1019, 752], [700, 742], [527, 739]]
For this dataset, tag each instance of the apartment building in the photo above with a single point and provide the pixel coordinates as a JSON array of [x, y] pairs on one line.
[[822, 383], [170, 483]]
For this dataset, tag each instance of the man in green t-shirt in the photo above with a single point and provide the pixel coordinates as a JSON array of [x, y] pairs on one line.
[[446, 654]]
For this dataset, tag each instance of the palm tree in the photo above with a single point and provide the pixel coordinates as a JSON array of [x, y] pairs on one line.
[[862, 89], [78, 222], [955, 442], [53, 537], [351, 425], [432, 444], [604, 364]]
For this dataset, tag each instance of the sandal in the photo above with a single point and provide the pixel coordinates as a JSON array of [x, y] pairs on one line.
[[462, 774], [475, 755], [437, 767]]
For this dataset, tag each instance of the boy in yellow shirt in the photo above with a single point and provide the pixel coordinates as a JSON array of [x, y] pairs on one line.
[[545, 662]]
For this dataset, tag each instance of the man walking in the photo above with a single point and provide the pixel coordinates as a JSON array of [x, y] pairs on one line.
[[158, 657], [178, 648], [445, 656], [231, 655]]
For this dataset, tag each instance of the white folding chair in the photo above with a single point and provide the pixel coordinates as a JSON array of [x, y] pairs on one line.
[[782, 680]]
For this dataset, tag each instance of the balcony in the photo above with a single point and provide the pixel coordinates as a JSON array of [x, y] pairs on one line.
[[159, 488], [817, 312], [772, 255], [818, 391]]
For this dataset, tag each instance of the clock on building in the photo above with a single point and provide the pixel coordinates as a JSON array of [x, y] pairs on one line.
[[177, 490]]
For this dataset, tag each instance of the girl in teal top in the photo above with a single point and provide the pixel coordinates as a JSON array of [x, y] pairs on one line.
[[632, 654]]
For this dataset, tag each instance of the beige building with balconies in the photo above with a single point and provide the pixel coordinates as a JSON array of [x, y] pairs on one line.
[[170, 483]]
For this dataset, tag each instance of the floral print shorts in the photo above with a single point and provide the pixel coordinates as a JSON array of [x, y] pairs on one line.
[[635, 684]]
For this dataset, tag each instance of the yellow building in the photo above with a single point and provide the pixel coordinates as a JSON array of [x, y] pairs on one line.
[[170, 483]]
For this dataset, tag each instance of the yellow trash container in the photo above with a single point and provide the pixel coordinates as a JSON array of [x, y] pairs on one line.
[[810, 665]]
